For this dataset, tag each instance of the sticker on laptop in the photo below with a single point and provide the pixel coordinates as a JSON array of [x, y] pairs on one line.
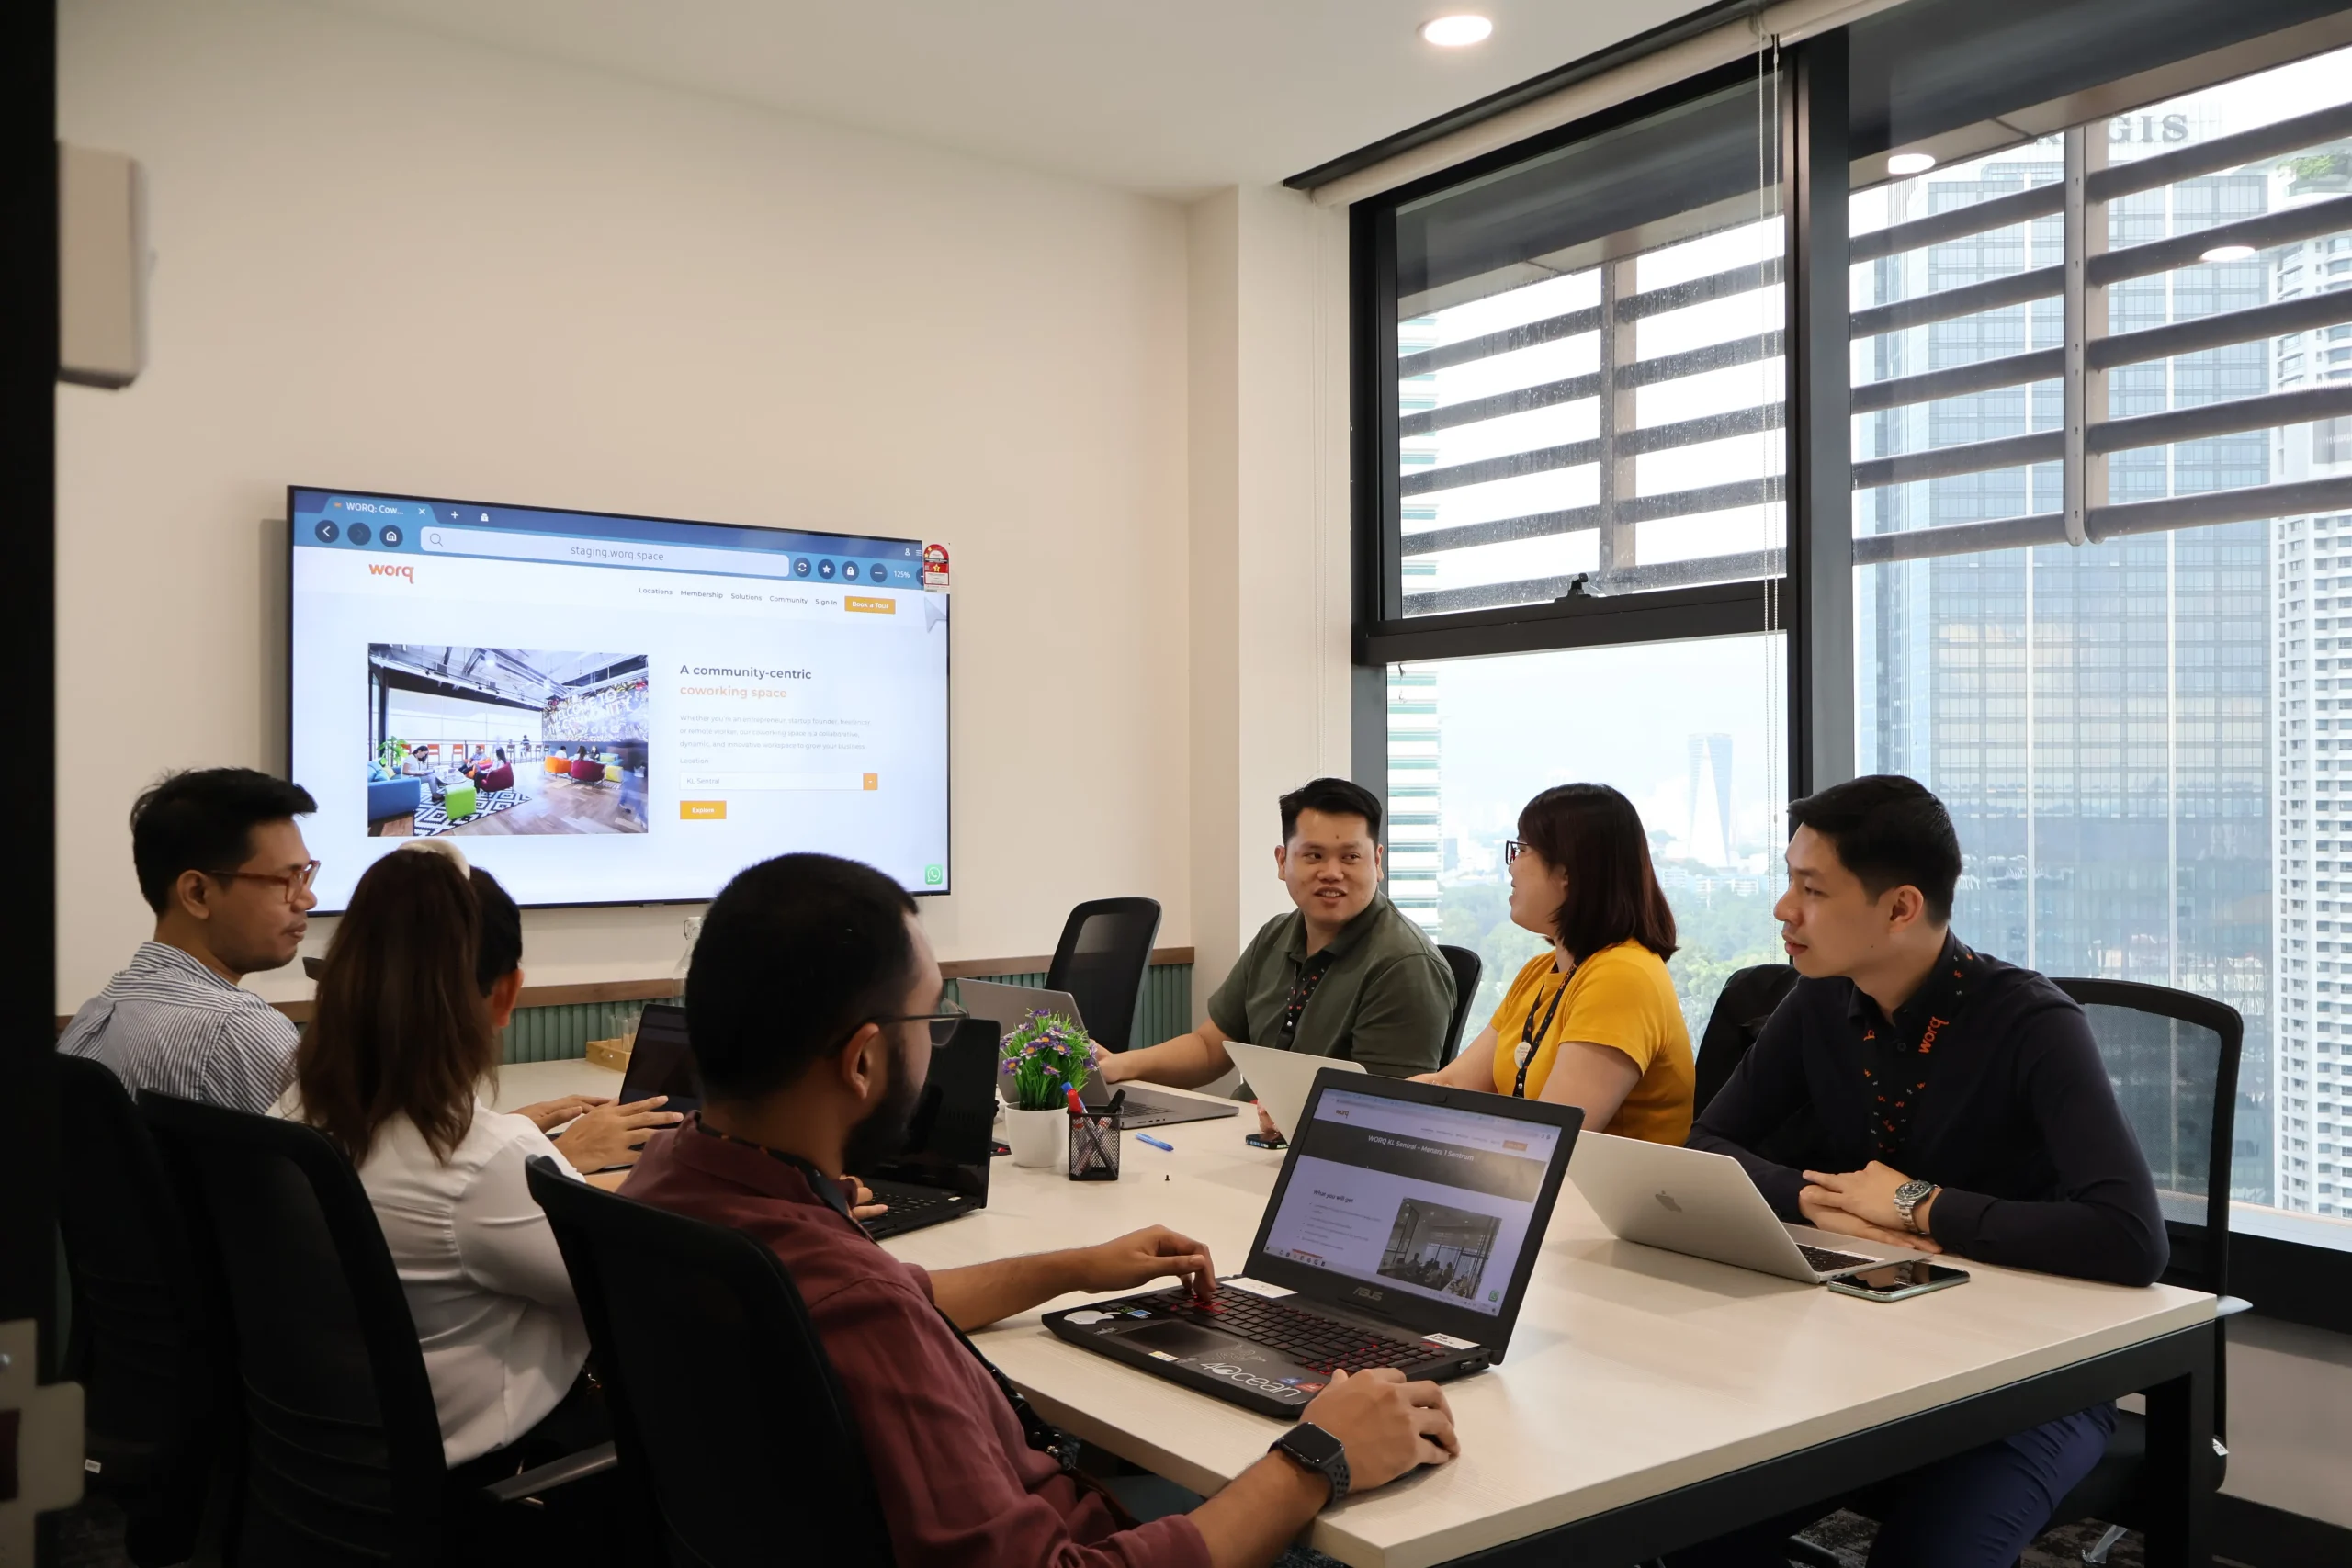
[[1450, 1342], [1090, 1319], [1161, 1356], [1258, 1287]]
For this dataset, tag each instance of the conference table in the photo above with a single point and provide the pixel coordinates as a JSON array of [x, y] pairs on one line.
[[1647, 1401]]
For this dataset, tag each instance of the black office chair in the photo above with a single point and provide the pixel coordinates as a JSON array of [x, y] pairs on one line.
[[342, 1452], [1742, 1007], [1468, 969], [724, 1403], [1101, 960], [155, 1406], [2174, 1059]]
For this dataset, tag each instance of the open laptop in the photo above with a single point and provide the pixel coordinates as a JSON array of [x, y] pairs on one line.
[[1703, 1204], [1401, 1234], [1006, 1006], [1282, 1079], [944, 1171]]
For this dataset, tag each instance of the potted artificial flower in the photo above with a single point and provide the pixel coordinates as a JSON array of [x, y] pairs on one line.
[[1048, 1052]]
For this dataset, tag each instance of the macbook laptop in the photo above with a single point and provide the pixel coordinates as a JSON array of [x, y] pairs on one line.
[[1006, 1006], [944, 1171], [942, 1174], [1693, 1202], [1401, 1234], [1282, 1079]]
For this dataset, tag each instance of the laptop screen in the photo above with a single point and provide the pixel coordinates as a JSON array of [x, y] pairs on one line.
[[1434, 1200], [661, 1062]]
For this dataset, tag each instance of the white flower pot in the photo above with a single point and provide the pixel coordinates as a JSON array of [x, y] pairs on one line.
[[1038, 1138]]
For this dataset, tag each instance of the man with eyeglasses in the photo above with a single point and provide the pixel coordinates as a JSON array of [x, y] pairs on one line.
[[223, 867], [813, 1006]]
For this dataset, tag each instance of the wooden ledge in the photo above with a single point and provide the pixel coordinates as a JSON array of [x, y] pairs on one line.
[[656, 990]]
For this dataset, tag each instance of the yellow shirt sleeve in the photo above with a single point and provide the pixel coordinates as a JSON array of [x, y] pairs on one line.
[[1611, 1002]]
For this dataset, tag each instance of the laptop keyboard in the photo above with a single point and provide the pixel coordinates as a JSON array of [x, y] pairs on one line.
[[1821, 1259], [1318, 1343]]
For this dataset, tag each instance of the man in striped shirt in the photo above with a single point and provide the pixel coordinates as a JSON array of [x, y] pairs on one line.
[[223, 867]]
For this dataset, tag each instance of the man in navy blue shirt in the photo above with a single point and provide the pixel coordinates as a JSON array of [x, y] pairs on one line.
[[1913, 1090]]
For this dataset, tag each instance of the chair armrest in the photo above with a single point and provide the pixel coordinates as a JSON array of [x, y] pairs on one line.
[[546, 1477], [2229, 1306]]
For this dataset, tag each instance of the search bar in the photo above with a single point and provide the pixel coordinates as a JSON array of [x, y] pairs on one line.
[[603, 552]]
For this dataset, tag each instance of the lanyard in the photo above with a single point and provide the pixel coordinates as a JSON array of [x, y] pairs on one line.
[[1897, 1076], [1531, 1033], [1302, 986]]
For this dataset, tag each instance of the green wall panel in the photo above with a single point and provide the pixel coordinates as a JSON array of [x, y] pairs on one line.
[[557, 1033]]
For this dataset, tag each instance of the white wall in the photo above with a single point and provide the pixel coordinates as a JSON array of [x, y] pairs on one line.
[[387, 261]]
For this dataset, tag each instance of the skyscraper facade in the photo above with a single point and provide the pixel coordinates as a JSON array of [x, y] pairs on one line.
[[2094, 715]]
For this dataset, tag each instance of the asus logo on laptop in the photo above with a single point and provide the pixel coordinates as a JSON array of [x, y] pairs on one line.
[[1368, 1293]]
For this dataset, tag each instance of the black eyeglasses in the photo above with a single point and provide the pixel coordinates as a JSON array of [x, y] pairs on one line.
[[1511, 849], [943, 1023]]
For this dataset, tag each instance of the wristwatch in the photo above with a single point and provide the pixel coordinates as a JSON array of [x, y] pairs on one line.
[[1311, 1446], [1909, 1196]]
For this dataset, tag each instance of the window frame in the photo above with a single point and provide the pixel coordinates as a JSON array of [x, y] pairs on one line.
[[1812, 603]]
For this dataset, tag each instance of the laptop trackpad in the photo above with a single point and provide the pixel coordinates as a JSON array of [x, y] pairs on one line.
[[1180, 1339]]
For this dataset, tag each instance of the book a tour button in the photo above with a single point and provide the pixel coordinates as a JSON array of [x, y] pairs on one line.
[[702, 810], [866, 603]]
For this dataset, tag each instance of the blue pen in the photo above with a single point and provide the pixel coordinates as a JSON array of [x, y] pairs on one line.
[[1155, 1142]]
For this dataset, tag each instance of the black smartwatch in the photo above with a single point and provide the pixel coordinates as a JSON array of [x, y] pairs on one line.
[[1311, 1446]]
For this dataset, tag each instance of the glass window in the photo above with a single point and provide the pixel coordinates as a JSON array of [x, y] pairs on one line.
[[2132, 706], [1590, 380], [1471, 741]]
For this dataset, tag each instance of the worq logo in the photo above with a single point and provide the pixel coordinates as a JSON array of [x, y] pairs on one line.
[[405, 574]]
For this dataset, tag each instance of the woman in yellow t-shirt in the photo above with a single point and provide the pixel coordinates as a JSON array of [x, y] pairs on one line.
[[1594, 1022]]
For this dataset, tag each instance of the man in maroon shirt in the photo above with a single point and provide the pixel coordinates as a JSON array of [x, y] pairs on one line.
[[814, 1004]]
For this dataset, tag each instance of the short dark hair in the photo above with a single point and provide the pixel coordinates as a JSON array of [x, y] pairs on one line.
[[795, 954], [1891, 832], [500, 951], [1334, 797], [1594, 834], [203, 819]]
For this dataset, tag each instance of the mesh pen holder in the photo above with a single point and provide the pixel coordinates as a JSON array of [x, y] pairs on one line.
[[1094, 1140]]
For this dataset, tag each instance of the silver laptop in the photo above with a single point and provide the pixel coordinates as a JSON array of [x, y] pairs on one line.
[[1282, 1079], [1703, 1204], [1005, 1006]]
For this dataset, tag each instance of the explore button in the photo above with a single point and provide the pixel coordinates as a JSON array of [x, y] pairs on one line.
[[702, 811], [866, 603]]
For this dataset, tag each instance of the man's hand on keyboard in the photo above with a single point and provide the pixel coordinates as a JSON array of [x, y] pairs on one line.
[[1141, 1256], [862, 1206]]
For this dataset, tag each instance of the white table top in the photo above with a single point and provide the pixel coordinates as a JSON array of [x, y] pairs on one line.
[[1632, 1373]]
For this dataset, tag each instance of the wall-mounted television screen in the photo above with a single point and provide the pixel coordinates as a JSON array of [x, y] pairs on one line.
[[610, 710]]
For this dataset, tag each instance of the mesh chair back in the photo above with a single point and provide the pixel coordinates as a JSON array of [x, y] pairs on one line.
[[2173, 1058], [724, 1403], [343, 1447], [1742, 1007], [1468, 970], [1101, 960], [151, 1406]]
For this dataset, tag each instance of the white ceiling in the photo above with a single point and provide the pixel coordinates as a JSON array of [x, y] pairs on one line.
[[1172, 98]]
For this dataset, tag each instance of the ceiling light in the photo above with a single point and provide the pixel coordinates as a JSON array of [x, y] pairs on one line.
[[1455, 32], [1910, 162], [2228, 253]]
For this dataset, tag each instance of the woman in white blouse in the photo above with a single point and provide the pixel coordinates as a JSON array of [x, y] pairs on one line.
[[422, 975]]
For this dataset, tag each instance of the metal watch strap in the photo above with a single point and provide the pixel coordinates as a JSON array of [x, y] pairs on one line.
[[1926, 1190], [1333, 1469]]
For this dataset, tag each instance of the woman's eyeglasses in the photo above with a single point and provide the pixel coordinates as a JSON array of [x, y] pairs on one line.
[[1511, 849]]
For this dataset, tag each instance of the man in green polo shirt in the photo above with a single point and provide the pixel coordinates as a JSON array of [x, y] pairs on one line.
[[1343, 974]]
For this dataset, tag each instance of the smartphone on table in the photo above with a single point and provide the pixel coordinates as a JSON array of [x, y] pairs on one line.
[[1896, 1280]]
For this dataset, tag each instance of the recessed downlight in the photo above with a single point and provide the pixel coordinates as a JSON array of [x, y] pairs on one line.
[[2228, 253], [1910, 163], [1457, 31]]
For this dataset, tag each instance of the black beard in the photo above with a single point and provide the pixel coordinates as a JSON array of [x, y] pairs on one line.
[[882, 1136]]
